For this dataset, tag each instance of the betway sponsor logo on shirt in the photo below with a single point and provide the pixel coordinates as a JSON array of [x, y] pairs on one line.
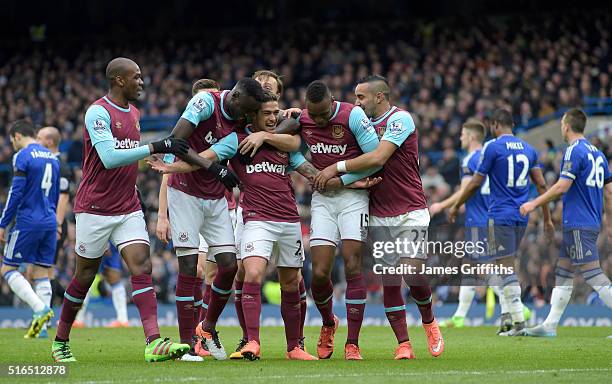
[[210, 139], [266, 167], [328, 148], [126, 143]]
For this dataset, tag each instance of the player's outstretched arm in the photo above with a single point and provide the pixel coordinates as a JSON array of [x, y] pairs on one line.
[[466, 193], [545, 196], [289, 126], [436, 208], [179, 166], [282, 142], [98, 125]]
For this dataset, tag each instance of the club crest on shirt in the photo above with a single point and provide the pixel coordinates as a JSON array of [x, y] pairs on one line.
[[567, 166], [282, 155], [308, 132], [337, 131], [183, 237], [381, 132], [118, 125]]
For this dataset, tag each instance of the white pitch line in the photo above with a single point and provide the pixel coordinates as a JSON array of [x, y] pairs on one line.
[[366, 374]]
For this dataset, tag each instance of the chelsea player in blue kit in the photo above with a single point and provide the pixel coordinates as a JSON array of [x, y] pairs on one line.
[[31, 203], [509, 162], [584, 178]]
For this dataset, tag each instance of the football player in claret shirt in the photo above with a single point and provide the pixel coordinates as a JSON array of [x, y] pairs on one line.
[[397, 203], [510, 163], [585, 178], [333, 131], [107, 207], [272, 230], [197, 203]]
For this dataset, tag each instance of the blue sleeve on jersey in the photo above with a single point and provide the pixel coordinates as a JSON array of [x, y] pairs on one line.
[[20, 161], [571, 164], [399, 126], [227, 147], [487, 156], [295, 160], [113, 158], [13, 201], [98, 124], [362, 128], [469, 166], [199, 108], [351, 177]]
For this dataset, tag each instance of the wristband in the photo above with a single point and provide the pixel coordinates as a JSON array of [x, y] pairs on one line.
[[341, 166]]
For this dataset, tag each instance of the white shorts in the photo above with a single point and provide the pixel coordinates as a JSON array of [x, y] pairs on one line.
[[94, 231], [203, 248], [412, 226], [238, 230], [191, 216], [341, 216], [278, 242]]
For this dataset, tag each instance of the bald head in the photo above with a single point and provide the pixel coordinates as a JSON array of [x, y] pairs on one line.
[[120, 66], [50, 137]]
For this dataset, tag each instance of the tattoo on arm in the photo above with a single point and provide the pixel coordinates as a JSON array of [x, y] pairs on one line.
[[307, 170]]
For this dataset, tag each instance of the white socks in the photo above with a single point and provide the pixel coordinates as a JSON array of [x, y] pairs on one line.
[[600, 283], [120, 301], [42, 287], [22, 288], [512, 295], [466, 296], [561, 295]]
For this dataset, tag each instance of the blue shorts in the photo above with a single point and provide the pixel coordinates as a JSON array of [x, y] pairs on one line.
[[33, 247], [505, 237], [478, 251], [113, 260], [580, 245]]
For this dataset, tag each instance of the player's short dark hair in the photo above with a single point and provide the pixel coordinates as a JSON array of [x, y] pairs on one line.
[[503, 117], [269, 96], [272, 74], [317, 91], [24, 127], [204, 84], [576, 119], [252, 88], [476, 127], [381, 81]]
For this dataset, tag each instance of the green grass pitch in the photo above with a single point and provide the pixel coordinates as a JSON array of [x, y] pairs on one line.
[[472, 355]]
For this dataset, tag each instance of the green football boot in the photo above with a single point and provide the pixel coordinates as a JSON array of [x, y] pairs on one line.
[[163, 349], [61, 353]]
